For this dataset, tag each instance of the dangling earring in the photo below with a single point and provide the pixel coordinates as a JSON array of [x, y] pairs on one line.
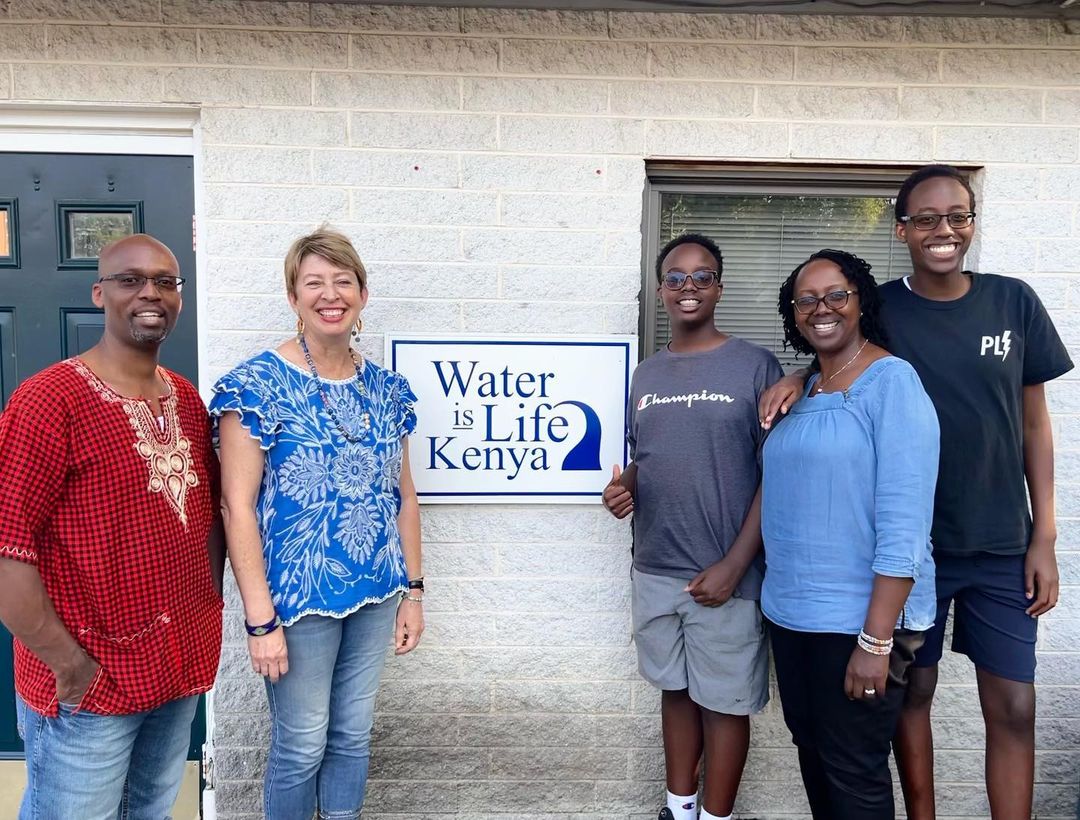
[[299, 328], [359, 327]]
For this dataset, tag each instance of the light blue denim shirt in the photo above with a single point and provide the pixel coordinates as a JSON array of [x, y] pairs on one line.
[[848, 493]]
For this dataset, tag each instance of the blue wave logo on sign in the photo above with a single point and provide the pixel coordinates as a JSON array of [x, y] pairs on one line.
[[585, 455]]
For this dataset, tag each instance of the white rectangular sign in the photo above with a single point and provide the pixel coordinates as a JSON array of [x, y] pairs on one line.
[[515, 419]]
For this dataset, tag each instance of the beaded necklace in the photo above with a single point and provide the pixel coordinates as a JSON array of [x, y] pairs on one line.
[[365, 417]]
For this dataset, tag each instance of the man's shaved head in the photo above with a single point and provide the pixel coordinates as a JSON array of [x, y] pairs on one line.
[[116, 256]]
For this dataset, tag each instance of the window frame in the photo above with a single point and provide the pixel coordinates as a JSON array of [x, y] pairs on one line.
[[669, 177]]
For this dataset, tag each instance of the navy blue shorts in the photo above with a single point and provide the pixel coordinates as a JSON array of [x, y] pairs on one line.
[[989, 622]]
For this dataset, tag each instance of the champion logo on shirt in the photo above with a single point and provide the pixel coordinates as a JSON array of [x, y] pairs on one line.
[[688, 399], [997, 345]]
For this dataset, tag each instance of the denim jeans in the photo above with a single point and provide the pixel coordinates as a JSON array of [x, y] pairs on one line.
[[104, 767], [321, 712]]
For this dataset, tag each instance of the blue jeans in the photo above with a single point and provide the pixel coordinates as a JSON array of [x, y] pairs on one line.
[[104, 767], [321, 712]]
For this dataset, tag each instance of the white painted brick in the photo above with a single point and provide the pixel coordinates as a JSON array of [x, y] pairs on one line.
[[956, 104], [873, 65], [387, 91], [446, 132], [1064, 34], [357, 17], [623, 248], [376, 52], [1060, 183], [227, 275], [237, 86], [1005, 255], [225, 350], [625, 175], [815, 102], [243, 312], [721, 62], [235, 13], [130, 44], [682, 99], [127, 11], [1025, 219], [541, 96], [529, 317], [1059, 255], [1002, 182], [446, 561], [719, 139], [533, 173], [591, 58], [419, 763], [41, 81], [572, 135], [291, 49], [295, 203], [558, 764], [415, 169], [632, 25], [1004, 144], [5, 85], [267, 165], [1063, 107], [978, 30], [822, 28], [21, 42], [622, 318], [533, 246], [269, 127], [862, 142], [1010, 67], [425, 207], [571, 210], [536, 22]]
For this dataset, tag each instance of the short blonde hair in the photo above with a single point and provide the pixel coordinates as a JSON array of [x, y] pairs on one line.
[[331, 245]]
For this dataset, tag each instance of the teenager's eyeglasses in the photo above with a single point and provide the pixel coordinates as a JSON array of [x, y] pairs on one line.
[[136, 282], [676, 279], [834, 300], [927, 222]]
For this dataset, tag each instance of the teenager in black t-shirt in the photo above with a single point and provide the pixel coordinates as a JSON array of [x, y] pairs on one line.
[[983, 346]]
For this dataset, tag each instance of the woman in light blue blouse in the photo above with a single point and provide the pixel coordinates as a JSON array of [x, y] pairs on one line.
[[848, 493], [323, 530]]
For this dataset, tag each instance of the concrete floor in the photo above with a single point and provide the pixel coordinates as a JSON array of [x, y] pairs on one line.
[[13, 778]]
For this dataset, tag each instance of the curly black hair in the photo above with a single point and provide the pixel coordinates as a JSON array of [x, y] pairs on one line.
[[857, 272], [690, 239], [921, 175]]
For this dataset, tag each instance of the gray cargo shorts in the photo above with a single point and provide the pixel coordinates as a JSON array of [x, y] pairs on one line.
[[718, 653]]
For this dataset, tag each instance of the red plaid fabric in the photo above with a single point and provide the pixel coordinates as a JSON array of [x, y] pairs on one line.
[[115, 513]]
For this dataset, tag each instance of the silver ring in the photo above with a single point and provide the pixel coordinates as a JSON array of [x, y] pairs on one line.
[[870, 692]]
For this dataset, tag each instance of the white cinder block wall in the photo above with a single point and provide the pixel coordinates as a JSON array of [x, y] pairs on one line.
[[489, 165]]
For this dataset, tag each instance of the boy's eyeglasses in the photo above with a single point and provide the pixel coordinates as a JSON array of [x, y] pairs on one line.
[[834, 300], [676, 279], [927, 222]]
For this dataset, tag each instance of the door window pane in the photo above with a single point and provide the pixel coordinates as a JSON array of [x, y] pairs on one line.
[[86, 228], [9, 233]]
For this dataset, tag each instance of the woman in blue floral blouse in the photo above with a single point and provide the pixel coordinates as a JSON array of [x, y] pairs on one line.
[[323, 530]]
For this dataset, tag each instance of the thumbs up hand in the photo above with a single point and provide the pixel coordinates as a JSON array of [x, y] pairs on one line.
[[617, 499]]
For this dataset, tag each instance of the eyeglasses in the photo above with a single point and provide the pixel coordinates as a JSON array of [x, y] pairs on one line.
[[136, 282], [834, 300], [676, 279], [927, 222]]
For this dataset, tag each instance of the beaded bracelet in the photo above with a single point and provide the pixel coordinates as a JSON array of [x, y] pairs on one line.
[[875, 646], [263, 629], [413, 598]]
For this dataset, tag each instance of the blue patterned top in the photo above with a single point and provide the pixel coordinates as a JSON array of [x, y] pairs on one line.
[[327, 507]]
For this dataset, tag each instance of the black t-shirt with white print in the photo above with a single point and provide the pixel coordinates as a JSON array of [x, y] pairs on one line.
[[975, 355]]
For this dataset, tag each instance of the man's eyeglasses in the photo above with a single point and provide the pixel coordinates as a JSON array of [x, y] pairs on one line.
[[136, 282], [927, 222], [676, 279], [834, 300]]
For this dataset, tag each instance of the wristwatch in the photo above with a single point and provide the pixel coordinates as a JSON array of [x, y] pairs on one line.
[[417, 583]]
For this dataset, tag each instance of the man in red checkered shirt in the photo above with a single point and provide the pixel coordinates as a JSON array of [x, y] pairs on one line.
[[111, 556]]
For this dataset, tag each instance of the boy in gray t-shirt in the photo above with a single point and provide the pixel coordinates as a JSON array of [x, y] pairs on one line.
[[693, 488]]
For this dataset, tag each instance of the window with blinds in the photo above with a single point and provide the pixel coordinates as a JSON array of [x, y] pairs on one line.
[[765, 228]]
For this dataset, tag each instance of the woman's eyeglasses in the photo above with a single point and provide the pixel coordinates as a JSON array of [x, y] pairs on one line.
[[676, 279], [834, 300], [927, 222]]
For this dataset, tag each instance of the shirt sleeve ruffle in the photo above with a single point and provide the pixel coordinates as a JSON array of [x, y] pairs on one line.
[[404, 405], [238, 392]]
